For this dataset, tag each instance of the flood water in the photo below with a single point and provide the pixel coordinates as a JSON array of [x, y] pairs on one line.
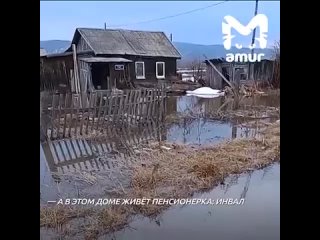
[[257, 219], [100, 154]]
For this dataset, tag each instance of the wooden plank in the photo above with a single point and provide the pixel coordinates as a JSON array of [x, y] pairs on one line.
[[125, 105], [105, 110], [88, 113], [71, 115], [49, 156], [144, 105], [94, 149], [115, 108], [93, 109], [65, 115], [52, 117], [55, 99], [62, 151], [77, 115], [149, 103], [102, 164], [84, 147], [83, 96], [120, 108], [73, 155], [154, 102], [88, 145], [77, 166], [68, 150], [89, 166], [134, 106], [130, 106], [74, 148], [138, 105], [79, 147], [59, 114], [53, 152], [100, 108], [110, 105], [56, 152]]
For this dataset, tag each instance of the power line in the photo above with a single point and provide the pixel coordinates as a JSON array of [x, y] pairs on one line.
[[171, 16]]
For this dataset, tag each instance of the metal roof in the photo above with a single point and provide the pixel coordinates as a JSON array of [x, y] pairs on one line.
[[102, 59], [127, 42]]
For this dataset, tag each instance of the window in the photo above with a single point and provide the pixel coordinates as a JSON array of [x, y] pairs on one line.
[[242, 72], [140, 70], [160, 70]]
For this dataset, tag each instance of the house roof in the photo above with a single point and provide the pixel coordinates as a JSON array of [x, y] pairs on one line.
[[102, 59], [43, 52], [127, 42], [222, 60]]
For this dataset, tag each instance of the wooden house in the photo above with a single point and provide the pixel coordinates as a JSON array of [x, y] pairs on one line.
[[243, 73], [112, 58]]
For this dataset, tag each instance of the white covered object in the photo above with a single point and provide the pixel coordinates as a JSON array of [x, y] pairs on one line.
[[205, 96], [205, 91]]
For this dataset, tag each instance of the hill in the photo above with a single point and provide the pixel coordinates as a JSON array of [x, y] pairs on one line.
[[189, 51], [55, 46]]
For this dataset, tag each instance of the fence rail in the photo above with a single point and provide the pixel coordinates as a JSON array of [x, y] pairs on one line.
[[69, 115]]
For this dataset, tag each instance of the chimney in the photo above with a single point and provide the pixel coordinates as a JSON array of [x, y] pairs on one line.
[[171, 37], [105, 26]]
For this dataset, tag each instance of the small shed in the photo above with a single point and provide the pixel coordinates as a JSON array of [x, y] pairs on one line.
[[243, 73]]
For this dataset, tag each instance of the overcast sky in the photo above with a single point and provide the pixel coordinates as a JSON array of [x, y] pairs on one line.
[[59, 19]]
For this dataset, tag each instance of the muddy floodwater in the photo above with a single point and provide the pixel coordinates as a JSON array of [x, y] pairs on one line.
[[187, 121], [257, 218], [69, 155]]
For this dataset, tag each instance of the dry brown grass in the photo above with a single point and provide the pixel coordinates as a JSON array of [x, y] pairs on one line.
[[175, 173], [190, 171], [107, 219], [56, 216]]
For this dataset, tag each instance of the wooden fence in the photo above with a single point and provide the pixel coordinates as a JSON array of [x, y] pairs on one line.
[[70, 115], [99, 153]]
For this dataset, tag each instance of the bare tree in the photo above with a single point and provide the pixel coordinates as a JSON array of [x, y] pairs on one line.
[[197, 67]]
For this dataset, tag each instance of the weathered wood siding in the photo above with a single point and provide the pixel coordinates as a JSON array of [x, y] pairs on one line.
[[55, 74], [214, 80], [263, 71], [259, 71], [85, 76], [82, 45]]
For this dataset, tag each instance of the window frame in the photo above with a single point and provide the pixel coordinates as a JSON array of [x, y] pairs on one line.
[[164, 72], [144, 70]]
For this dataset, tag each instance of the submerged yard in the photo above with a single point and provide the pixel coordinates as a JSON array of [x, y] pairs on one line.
[[200, 143]]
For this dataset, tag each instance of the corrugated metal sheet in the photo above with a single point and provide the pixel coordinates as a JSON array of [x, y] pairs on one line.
[[121, 42], [102, 59]]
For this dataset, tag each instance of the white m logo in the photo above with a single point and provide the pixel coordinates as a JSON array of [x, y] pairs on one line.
[[260, 20]]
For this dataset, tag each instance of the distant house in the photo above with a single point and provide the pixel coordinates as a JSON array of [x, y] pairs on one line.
[[109, 58], [243, 73], [43, 52]]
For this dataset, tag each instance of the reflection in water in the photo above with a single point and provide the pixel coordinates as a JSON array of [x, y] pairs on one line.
[[257, 218]]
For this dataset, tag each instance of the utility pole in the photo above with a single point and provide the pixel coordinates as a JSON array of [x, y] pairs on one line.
[[254, 30], [105, 26], [253, 37], [171, 37]]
